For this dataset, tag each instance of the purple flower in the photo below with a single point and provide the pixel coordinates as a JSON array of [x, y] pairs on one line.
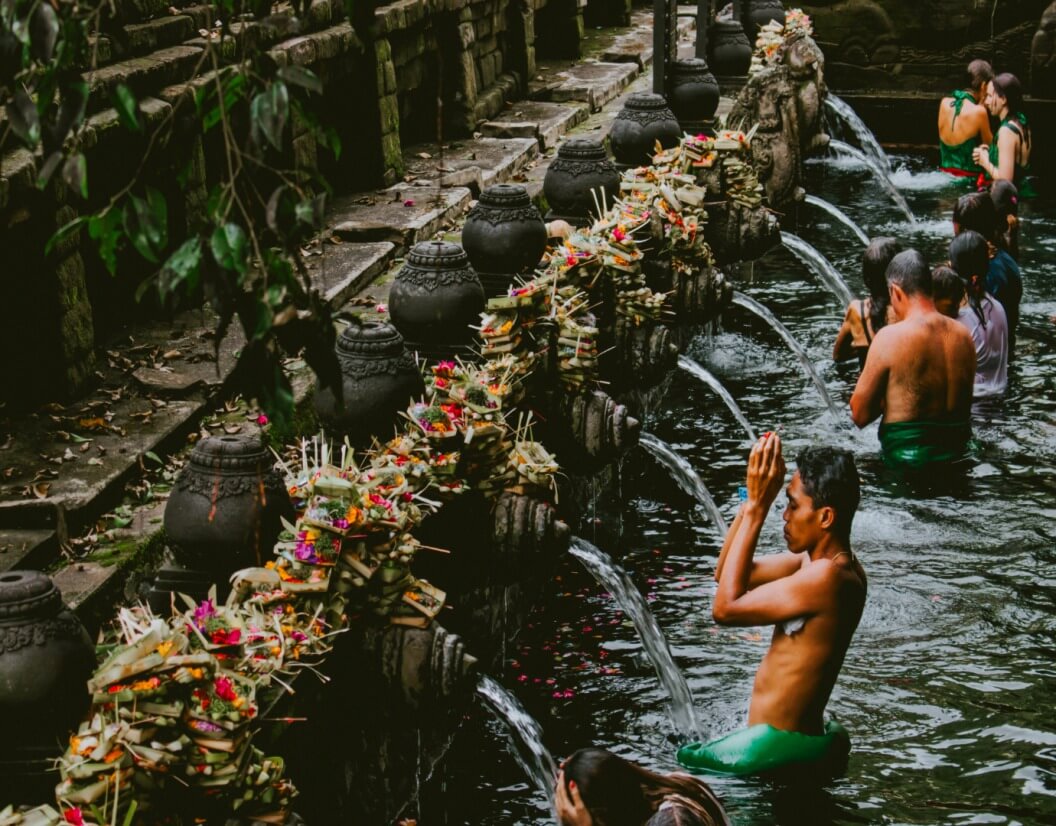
[[204, 612]]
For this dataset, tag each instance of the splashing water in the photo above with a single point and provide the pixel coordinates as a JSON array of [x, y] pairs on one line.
[[699, 371], [630, 599], [741, 300], [819, 265], [684, 475], [862, 133], [879, 174], [906, 178], [839, 215], [526, 737]]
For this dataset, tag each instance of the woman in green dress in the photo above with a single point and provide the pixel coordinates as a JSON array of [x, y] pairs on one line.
[[1008, 156], [964, 123]]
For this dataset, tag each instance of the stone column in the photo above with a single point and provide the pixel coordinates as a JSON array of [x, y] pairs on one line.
[[388, 113]]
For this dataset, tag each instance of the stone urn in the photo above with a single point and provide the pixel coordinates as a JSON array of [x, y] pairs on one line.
[[582, 166], [757, 13], [694, 93], [434, 299], [644, 120], [224, 510], [504, 236], [379, 377], [729, 52], [46, 658]]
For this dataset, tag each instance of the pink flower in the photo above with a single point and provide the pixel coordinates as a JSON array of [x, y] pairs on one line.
[[74, 817], [408, 203], [204, 612], [381, 308], [262, 420]]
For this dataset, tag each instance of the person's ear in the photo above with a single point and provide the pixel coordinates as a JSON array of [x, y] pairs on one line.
[[826, 518]]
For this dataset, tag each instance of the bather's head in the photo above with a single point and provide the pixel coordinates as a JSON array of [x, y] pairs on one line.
[[822, 498], [908, 277], [979, 74], [948, 289], [975, 211]]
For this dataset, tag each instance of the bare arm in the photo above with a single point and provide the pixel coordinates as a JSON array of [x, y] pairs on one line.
[[982, 117], [841, 349], [767, 569], [1007, 144], [867, 401]]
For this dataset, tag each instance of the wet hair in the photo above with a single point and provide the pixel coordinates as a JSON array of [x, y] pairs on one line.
[[970, 257], [910, 271], [1007, 85], [620, 793], [874, 272], [979, 74], [947, 285], [1006, 204], [830, 479], [975, 211]]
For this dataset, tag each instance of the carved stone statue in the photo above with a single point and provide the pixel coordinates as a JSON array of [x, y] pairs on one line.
[[1043, 52], [783, 100]]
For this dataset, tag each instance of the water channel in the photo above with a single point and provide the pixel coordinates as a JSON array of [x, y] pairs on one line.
[[949, 687]]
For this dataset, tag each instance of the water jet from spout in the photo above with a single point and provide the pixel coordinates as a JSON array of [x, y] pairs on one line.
[[839, 215], [819, 265], [699, 371]]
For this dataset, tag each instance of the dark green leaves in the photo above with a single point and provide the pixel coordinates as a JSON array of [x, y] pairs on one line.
[[234, 87], [270, 111], [22, 115], [312, 212], [127, 107], [182, 269], [43, 32], [230, 247], [146, 223], [75, 174], [106, 230], [300, 76]]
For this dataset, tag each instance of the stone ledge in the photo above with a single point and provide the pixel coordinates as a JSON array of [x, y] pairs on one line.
[[546, 122], [474, 164], [594, 83], [342, 270], [27, 548], [383, 215]]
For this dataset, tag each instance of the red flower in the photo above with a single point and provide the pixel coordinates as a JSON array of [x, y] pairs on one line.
[[73, 816]]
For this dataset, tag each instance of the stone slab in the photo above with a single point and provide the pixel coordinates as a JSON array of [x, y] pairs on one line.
[[594, 83], [402, 214], [474, 164], [546, 122], [343, 269], [166, 382], [27, 549]]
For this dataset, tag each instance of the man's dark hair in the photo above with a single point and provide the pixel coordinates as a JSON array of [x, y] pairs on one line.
[[830, 479], [979, 73], [946, 283], [910, 271], [874, 272], [976, 211]]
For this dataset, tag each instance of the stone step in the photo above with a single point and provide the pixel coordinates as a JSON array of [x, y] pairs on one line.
[[402, 214], [474, 164], [546, 122], [27, 549], [594, 83], [342, 270]]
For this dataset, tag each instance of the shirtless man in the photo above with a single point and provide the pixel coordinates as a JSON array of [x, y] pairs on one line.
[[918, 375], [964, 123], [813, 594]]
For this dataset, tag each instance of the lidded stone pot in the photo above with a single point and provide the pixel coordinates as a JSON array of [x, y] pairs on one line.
[[378, 379], [435, 297], [46, 658], [504, 236], [729, 52], [582, 165], [757, 13], [694, 91], [225, 508], [644, 120]]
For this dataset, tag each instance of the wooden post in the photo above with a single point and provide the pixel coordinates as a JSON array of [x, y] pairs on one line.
[[660, 29], [703, 24]]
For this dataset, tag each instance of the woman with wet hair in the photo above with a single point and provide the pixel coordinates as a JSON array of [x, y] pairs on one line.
[[867, 315], [1005, 198], [1008, 156], [597, 788], [964, 123], [982, 315]]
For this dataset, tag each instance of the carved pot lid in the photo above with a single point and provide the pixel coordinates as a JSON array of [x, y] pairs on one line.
[[27, 595], [582, 149], [504, 195], [692, 67], [644, 102], [438, 255], [228, 453], [369, 339]]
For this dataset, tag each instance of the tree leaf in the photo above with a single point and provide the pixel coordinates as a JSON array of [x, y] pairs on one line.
[[65, 231], [75, 173], [72, 105], [48, 169], [229, 245], [312, 212], [269, 111], [107, 229], [137, 219], [23, 117], [43, 32], [127, 107], [182, 268], [303, 77], [281, 212], [159, 211]]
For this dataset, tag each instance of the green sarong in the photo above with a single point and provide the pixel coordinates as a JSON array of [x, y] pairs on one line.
[[762, 749], [915, 445]]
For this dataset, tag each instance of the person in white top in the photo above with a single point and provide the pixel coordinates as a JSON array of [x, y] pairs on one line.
[[982, 314]]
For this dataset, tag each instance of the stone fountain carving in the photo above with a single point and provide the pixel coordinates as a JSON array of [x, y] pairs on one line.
[[783, 99], [1043, 52]]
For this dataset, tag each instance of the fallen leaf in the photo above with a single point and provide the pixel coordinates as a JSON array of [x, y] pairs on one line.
[[424, 156], [172, 354], [41, 490], [143, 415], [96, 423], [7, 442], [95, 460], [68, 455], [84, 446], [158, 403], [9, 472], [63, 435], [232, 429]]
